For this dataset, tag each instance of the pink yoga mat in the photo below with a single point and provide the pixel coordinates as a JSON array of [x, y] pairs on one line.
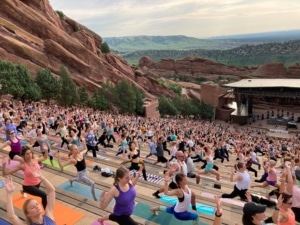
[[13, 164], [97, 223]]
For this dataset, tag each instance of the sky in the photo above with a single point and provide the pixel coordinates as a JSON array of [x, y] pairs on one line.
[[194, 18]]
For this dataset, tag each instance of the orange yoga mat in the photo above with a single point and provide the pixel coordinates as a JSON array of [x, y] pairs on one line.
[[60, 210]]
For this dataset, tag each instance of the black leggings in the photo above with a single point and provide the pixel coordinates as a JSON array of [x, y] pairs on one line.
[[122, 220], [63, 141], [135, 166], [35, 191], [236, 192]]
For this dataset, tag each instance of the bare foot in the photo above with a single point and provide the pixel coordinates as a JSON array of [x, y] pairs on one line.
[[71, 183], [100, 221], [154, 211]]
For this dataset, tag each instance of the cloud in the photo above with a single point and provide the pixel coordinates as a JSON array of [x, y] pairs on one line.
[[201, 18]]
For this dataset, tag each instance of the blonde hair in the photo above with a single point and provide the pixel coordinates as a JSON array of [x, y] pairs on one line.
[[27, 219]]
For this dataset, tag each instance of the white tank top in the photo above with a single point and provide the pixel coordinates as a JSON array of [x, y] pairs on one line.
[[296, 196], [184, 170], [245, 183], [185, 204]]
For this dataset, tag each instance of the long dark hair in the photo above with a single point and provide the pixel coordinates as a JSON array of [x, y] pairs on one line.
[[247, 219]]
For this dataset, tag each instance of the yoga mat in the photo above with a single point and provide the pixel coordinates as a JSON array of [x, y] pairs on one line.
[[150, 177], [23, 143], [143, 211], [55, 163], [1, 183], [205, 209], [13, 164], [82, 189], [97, 223], [227, 200], [4, 222], [62, 214]]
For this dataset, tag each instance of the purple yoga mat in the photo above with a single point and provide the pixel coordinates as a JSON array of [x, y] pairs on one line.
[[13, 164]]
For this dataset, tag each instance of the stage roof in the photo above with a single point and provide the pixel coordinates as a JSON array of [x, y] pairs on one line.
[[265, 83]]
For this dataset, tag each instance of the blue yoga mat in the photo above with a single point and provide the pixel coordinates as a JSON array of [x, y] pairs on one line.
[[82, 189], [24, 143], [205, 209], [143, 211], [4, 222]]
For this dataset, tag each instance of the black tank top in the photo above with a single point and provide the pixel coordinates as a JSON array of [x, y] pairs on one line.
[[136, 155], [80, 165]]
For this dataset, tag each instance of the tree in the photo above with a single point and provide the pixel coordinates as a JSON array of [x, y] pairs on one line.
[[49, 85], [99, 101], [68, 93], [125, 97], [166, 106], [105, 48], [206, 111], [140, 95], [83, 96]]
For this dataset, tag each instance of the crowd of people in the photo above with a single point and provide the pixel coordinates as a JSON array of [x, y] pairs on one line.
[[188, 143]]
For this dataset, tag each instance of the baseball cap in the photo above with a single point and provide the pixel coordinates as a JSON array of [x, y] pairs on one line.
[[251, 208]]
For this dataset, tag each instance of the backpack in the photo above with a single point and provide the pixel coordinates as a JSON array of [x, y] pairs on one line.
[[107, 172]]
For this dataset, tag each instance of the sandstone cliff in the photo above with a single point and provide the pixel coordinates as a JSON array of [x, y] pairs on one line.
[[33, 34]]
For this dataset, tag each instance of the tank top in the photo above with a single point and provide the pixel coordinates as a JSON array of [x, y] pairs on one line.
[[80, 165], [47, 221], [29, 178], [184, 170], [75, 141], [210, 163], [182, 206], [296, 196], [15, 146], [290, 218], [41, 140], [125, 201], [272, 175], [245, 183]]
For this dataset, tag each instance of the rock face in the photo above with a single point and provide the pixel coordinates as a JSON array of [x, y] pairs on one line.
[[33, 34], [199, 67]]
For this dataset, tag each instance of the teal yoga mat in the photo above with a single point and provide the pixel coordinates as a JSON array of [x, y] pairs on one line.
[[205, 209], [82, 189], [142, 210], [4, 222]]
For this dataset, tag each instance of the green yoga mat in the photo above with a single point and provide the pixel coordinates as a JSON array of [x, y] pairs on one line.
[[205, 209], [142, 210], [55, 163]]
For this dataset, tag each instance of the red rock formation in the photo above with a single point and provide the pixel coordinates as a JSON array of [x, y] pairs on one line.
[[33, 34]]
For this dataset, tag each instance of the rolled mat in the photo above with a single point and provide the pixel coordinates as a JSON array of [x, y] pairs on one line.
[[97, 223], [144, 211], [4, 222], [205, 209], [60, 210], [82, 190]]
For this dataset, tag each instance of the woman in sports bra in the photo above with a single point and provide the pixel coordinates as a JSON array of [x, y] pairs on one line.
[[209, 168], [184, 195], [134, 158], [77, 159]]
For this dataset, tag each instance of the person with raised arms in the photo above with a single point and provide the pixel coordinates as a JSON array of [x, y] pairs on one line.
[[76, 158]]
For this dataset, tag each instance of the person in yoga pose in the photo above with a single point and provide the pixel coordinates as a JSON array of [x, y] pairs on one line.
[[15, 144], [123, 191], [33, 211], [209, 158], [134, 158], [184, 195], [30, 166], [77, 159]]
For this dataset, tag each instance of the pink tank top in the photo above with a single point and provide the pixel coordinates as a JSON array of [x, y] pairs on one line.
[[29, 178], [290, 220], [272, 176]]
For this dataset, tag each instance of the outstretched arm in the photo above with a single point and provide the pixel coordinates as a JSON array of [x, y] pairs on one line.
[[51, 194], [6, 171], [10, 187]]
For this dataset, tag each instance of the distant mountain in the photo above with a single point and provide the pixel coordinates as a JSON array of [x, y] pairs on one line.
[[176, 42], [181, 42], [244, 55]]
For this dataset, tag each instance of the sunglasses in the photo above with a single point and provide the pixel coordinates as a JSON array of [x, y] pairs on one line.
[[11, 133]]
